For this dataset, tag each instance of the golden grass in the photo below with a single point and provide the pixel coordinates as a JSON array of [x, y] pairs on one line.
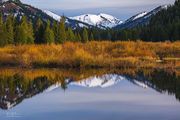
[[93, 55]]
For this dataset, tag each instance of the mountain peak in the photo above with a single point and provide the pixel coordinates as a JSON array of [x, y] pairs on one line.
[[101, 20]]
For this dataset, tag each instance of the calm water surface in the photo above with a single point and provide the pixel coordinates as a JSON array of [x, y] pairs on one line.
[[93, 95]]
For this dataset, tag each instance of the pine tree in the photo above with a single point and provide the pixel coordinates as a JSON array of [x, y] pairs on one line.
[[2, 32], [55, 30], [30, 33], [97, 34], [91, 37], [108, 35], [21, 33], [10, 29], [61, 31], [48, 34], [77, 37], [85, 35], [39, 31], [70, 35]]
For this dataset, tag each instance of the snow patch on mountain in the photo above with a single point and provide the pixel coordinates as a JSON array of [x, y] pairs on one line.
[[140, 19], [140, 15], [53, 15], [102, 20]]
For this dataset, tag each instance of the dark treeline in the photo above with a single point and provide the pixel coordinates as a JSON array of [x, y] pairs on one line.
[[165, 25], [14, 31]]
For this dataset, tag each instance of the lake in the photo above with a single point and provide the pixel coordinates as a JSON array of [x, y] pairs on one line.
[[54, 94]]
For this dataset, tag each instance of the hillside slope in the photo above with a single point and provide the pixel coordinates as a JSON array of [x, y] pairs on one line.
[[140, 19], [165, 25], [19, 9]]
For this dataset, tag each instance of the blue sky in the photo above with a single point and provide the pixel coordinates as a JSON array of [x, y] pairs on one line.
[[119, 8]]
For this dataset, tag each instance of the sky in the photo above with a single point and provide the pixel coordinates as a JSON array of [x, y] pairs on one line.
[[119, 8]]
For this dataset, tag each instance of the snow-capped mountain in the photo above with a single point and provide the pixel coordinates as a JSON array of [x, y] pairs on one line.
[[70, 22], [101, 20], [140, 19], [107, 21], [19, 9], [100, 81]]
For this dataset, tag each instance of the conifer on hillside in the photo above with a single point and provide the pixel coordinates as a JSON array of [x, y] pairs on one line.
[[48, 34]]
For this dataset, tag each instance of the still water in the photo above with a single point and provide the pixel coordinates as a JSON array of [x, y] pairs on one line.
[[89, 94]]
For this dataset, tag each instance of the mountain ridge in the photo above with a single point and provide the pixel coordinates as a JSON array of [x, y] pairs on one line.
[[140, 19], [19, 9], [102, 20]]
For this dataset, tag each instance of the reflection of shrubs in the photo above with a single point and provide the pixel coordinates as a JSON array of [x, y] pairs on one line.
[[92, 54]]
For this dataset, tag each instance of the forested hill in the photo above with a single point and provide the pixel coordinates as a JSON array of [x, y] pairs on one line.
[[165, 25]]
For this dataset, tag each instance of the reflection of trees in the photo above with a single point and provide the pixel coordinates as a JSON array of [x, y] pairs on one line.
[[162, 81], [16, 87], [13, 89]]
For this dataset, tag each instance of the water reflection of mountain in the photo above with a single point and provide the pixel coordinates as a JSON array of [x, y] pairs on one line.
[[14, 88], [106, 80]]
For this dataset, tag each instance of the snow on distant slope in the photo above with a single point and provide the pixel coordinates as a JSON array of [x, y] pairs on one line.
[[140, 19], [140, 15], [101, 20], [53, 15], [73, 23]]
